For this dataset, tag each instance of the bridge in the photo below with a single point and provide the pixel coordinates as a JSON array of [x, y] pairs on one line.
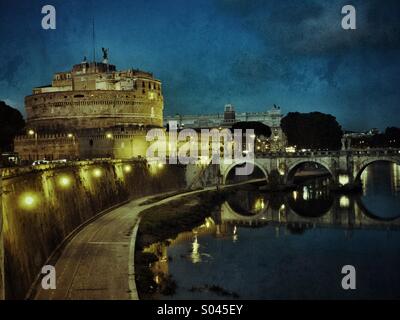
[[345, 166]]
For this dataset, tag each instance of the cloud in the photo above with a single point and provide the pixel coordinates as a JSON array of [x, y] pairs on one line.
[[9, 69], [314, 28]]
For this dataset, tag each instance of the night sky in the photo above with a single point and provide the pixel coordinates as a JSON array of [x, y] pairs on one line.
[[207, 53]]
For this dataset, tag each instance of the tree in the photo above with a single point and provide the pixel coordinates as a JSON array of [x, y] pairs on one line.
[[260, 129], [392, 135], [389, 139], [11, 123], [313, 130]]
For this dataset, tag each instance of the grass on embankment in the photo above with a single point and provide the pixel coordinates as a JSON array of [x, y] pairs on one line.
[[165, 222]]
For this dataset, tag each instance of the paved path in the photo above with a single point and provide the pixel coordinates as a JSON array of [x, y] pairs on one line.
[[98, 263]]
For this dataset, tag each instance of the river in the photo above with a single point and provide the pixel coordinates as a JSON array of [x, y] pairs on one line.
[[293, 245]]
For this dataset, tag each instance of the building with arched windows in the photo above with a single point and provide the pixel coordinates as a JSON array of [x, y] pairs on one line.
[[93, 110]]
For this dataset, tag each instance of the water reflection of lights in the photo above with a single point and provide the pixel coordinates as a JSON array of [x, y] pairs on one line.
[[344, 202], [195, 256], [209, 223], [343, 179], [235, 235], [259, 204], [295, 195], [281, 212], [306, 194], [395, 177]]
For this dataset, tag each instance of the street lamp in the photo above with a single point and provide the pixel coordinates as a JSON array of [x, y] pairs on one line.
[[64, 181], [97, 173], [127, 168], [28, 200], [34, 133]]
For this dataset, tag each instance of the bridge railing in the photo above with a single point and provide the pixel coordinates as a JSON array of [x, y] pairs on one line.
[[308, 153], [323, 153], [16, 171]]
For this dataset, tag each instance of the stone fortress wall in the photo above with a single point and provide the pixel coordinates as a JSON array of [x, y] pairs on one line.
[[74, 110], [44, 204], [118, 142]]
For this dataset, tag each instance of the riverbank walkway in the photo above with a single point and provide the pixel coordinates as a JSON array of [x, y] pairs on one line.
[[98, 262]]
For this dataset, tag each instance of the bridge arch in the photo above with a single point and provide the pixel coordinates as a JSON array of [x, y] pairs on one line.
[[291, 169], [369, 214], [367, 162], [236, 164], [229, 213]]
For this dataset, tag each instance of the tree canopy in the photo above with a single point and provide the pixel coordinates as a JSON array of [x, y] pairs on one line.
[[313, 130], [260, 129], [11, 123], [389, 139]]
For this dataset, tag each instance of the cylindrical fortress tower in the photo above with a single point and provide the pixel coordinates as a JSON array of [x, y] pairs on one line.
[[95, 95]]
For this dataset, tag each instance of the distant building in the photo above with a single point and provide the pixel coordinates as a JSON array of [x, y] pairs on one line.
[[271, 118]]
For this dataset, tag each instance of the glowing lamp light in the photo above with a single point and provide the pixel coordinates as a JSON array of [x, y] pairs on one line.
[[64, 181], [109, 135], [31, 132], [160, 165], [28, 201], [70, 135], [127, 168], [97, 173]]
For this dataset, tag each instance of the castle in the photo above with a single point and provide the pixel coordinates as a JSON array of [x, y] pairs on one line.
[[92, 111]]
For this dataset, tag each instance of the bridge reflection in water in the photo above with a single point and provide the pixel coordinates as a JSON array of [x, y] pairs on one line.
[[260, 231], [313, 205]]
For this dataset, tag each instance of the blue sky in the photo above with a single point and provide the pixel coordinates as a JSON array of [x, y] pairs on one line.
[[251, 53]]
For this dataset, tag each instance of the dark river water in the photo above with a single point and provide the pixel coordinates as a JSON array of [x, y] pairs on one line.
[[293, 245]]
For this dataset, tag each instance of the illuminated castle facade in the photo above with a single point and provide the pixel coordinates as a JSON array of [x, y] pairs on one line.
[[94, 110]]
